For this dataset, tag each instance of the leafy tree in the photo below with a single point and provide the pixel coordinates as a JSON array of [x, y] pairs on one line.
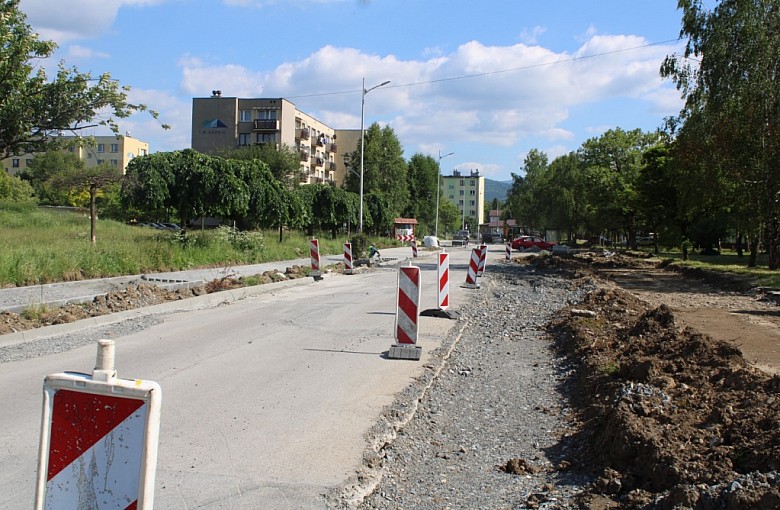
[[657, 192], [89, 180], [33, 108], [611, 165], [328, 208], [283, 161], [44, 167], [728, 77], [422, 174], [14, 189], [384, 170], [523, 198]]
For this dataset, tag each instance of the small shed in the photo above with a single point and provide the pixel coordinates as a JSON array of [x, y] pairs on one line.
[[405, 229]]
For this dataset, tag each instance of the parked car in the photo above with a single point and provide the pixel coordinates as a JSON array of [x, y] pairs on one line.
[[492, 238], [524, 242], [461, 235]]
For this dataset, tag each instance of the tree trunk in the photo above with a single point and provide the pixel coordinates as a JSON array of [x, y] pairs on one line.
[[740, 248], [281, 232], [753, 260], [92, 214], [772, 244]]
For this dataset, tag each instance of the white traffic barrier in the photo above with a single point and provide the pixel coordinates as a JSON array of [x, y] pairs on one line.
[[407, 315], [348, 265], [444, 280], [471, 275], [509, 251], [314, 252], [483, 249], [99, 437], [414, 249]]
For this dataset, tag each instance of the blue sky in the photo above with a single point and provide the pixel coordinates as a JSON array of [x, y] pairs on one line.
[[488, 80]]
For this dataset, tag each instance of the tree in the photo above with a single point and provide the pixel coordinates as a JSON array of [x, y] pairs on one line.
[[611, 165], [283, 161], [728, 77], [384, 169], [523, 198], [14, 189], [422, 174], [44, 167], [92, 181], [34, 109]]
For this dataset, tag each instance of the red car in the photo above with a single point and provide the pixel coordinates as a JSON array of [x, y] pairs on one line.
[[523, 242]]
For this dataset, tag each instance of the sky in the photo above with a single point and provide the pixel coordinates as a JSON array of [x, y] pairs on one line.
[[485, 80]]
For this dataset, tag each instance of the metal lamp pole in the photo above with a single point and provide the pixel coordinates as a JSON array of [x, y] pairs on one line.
[[438, 181], [362, 142]]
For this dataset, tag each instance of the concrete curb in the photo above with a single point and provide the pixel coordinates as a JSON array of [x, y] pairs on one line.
[[195, 303]]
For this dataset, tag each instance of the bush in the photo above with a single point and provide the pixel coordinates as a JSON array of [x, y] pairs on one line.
[[242, 240], [360, 244]]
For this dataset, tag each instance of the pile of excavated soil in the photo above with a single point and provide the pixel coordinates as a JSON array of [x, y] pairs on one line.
[[669, 418], [131, 297]]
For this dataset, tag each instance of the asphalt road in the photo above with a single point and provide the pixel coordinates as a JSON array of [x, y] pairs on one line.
[[266, 397]]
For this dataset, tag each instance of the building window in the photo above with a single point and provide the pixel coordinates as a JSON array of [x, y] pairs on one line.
[[460, 203], [245, 116], [472, 192], [462, 192], [100, 161], [266, 114], [473, 182], [101, 147], [27, 162], [143, 152], [266, 137], [15, 163], [243, 139], [472, 203], [462, 182], [114, 147], [115, 162]]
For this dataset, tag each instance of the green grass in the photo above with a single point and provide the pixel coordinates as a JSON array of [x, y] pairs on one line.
[[48, 245], [730, 263]]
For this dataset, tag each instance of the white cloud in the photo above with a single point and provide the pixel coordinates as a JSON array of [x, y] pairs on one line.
[[62, 21], [76, 53], [200, 78], [531, 36]]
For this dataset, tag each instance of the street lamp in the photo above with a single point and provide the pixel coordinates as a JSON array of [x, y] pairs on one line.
[[438, 181], [362, 143]]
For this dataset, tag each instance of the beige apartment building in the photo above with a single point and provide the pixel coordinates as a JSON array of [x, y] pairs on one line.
[[116, 150], [467, 192], [228, 122]]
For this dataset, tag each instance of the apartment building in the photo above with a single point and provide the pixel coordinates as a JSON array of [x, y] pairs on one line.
[[228, 122], [116, 150], [467, 192]]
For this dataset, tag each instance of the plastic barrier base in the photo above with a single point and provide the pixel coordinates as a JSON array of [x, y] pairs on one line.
[[404, 351]]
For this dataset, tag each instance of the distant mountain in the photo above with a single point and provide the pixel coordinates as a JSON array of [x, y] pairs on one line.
[[496, 189]]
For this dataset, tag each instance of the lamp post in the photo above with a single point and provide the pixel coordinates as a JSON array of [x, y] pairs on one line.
[[438, 181], [362, 142]]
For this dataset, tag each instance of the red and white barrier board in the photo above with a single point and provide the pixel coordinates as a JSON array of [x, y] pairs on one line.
[[98, 445], [314, 253], [348, 264], [508, 251], [404, 237], [444, 280], [483, 249], [414, 249], [407, 315], [471, 275]]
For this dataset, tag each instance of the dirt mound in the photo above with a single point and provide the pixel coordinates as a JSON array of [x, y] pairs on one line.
[[670, 418]]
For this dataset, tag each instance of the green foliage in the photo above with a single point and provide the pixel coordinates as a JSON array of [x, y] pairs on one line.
[[34, 107], [423, 172], [283, 161], [239, 239], [360, 244], [727, 144], [43, 169], [14, 189]]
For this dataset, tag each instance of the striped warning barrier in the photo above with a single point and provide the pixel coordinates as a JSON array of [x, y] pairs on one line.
[[483, 249], [405, 237], [314, 253], [471, 275], [508, 251], [99, 438], [348, 265], [414, 249], [444, 280], [407, 315]]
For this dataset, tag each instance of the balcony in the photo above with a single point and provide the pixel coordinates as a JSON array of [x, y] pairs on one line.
[[332, 165], [304, 156], [303, 134], [265, 125], [333, 147]]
